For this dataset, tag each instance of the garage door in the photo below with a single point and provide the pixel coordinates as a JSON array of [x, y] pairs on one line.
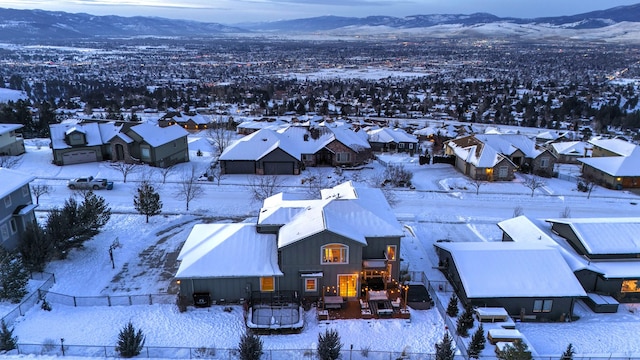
[[278, 168], [78, 157], [240, 167]]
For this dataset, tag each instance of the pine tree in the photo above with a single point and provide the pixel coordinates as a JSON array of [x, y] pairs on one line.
[[444, 348], [452, 308], [461, 327], [517, 351], [93, 214], [568, 354], [250, 347], [329, 345], [477, 343], [130, 342], [147, 200], [13, 277], [36, 249], [7, 340]]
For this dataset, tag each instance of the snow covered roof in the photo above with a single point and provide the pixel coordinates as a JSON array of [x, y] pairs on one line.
[[157, 136], [5, 128], [618, 146], [353, 212], [616, 165], [258, 144], [96, 134], [572, 148], [12, 180], [478, 155], [512, 269], [606, 235], [228, 250], [521, 229], [507, 144], [386, 135]]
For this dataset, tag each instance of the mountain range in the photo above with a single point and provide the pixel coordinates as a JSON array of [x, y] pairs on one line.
[[621, 24]]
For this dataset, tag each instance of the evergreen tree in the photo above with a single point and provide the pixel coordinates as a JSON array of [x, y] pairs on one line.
[[477, 343], [568, 354], [329, 345], [452, 308], [13, 277], [7, 340], [517, 351], [461, 327], [444, 348], [35, 248], [147, 200], [130, 342], [93, 214], [250, 347]]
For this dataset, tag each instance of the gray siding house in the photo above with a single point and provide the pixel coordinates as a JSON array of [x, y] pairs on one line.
[[81, 143], [530, 281], [150, 144], [330, 246], [11, 142], [16, 207]]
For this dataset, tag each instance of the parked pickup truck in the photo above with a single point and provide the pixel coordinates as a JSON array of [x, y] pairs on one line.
[[89, 183]]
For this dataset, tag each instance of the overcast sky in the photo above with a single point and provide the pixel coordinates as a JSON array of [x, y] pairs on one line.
[[237, 11]]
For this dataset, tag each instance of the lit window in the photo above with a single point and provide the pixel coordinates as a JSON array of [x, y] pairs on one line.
[[7, 201], [391, 252], [335, 254], [630, 286], [542, 306], [310, 285], [267, 284]]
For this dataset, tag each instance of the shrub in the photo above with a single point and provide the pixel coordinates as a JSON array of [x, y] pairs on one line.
[[250, 347], [130, 342], [329, 345]]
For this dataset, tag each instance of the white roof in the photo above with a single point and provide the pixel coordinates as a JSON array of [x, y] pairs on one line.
[[606, 235], [96, 134], [618, 146], [386, 135], [521, 229], [12, 180], [616, 165], [228, 250], [508, 144], [488, 157], [572, 148], [512, 269], [157, 136], [258, 144], [5, 128]]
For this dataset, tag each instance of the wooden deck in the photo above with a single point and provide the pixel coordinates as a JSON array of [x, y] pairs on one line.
[[353, 310]]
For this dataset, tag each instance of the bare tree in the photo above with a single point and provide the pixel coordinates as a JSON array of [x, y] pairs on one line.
[[188, 187], [215, 173], [314, 182], [378, 181], [566, 213], [9, 162], [587, 184], [262, 187], [476, 183], [165, 171], [219, 136], [518, 211], [124, 168], [533, 183], [39, 190]]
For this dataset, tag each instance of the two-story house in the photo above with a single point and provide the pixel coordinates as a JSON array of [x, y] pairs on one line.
[[331, 246], [16, 207]]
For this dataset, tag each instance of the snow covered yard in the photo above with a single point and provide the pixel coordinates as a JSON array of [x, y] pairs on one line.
[[442, 206]]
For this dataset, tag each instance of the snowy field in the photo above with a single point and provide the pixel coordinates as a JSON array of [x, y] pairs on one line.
[[443, 206]]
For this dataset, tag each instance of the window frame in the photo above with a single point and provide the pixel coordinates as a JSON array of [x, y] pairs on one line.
[[542, 305], [7, 201], [307, 282], [343, 256], [394, 252], [544, 162], [503, 172], [13, 226], [343, 157]]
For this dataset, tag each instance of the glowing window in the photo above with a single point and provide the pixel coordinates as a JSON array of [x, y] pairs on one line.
[[391, 252], [310, 285], [630, 286], [267, 284], [335, 254]]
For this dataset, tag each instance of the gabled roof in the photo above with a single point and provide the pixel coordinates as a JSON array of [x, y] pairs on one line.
[[479, 156], [228, 250], [616, 165], [157, 136], [605, 235], [507, 144], [12, 180], [572, 148], [386, 135], [96, 134], [512, 269], [351, 139], [618, 146], [258, 144]]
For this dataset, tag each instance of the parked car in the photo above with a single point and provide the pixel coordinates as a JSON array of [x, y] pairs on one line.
[[89, 183]]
